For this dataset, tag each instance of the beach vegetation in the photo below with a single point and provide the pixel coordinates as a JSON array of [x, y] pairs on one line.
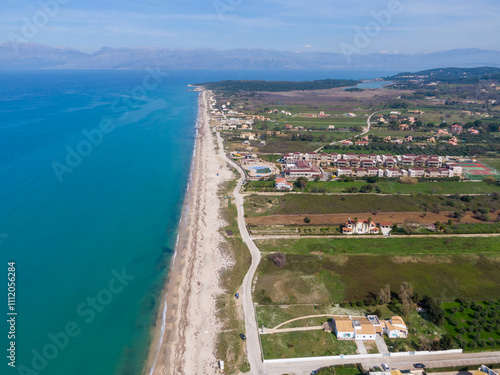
[[230, 347]]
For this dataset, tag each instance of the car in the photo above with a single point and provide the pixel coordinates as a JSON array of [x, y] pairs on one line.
[[385, 367], [419, 365], [243, 337]]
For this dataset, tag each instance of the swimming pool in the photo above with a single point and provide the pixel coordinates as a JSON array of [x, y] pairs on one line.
[[260, 169]]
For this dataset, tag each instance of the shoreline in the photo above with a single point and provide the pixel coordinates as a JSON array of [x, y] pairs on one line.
[[186, 325]]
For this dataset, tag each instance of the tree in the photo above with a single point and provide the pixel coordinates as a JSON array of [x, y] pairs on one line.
[[405, 295], [366, 188], [434, 311], [384, 295], [301, 182], [317, 178], [307, 220]]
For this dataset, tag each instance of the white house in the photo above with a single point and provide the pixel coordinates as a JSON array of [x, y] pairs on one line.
[[364, 330], [359, 227], [392, 172], [396, 328], [344, 172], [356, 328], [343, 328], [282, 184], [416, 172]]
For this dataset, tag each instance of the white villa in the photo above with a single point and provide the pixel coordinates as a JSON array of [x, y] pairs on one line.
[[367, 327], [282, 184], [395, 328], [360, 227]]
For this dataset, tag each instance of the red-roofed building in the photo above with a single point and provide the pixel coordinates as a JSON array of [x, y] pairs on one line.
[[360, 227], [282, 184], [455, 128]]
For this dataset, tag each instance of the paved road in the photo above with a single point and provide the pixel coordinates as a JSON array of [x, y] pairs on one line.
[[254, 352], [375, 237], [303, 367]]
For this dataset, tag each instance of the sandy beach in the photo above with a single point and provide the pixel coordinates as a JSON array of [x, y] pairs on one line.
[[187, 325]]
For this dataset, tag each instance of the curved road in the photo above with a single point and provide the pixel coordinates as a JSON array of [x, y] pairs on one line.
[[367, 129], [254, 352]]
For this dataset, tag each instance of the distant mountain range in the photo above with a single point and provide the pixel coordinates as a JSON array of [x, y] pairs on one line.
[[36, 56]]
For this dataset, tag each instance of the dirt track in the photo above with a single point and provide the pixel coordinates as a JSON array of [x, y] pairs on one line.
[[337, 219]]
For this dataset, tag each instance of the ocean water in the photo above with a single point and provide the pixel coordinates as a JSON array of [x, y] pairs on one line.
[[93, 170]]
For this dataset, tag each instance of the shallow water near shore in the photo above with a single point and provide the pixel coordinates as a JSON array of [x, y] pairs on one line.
[[93, 170]]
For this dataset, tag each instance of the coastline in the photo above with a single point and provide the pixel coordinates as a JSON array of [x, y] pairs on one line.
[[186, 326]]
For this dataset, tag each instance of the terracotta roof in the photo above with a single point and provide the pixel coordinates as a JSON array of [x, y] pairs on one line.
[[343, 324]]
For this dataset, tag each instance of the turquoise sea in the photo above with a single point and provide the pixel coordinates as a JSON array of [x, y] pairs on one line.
[[93, 170]]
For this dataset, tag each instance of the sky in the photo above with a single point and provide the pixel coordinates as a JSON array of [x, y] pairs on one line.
[[361, 26]]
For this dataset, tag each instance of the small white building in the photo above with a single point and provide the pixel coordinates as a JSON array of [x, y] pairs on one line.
[[282, 184], [396, 328]]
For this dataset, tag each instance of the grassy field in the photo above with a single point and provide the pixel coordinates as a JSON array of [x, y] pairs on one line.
[[324, 279], [270, 316], [300, 204], [381, 132], [281, 145], [391, 187], [475, 326], [304, 344], [441, 187], [492, 162], [384, 246]]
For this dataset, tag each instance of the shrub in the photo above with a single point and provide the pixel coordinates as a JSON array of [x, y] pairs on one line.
[[407, 180], [279, 259]]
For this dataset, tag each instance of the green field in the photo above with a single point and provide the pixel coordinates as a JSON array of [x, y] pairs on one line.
[[475, 326], [383, 245], [441, 187], [492, 162], [381, 132], [270, 316], [303, 204], [304, 344], [390, 187], [335, 278]]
